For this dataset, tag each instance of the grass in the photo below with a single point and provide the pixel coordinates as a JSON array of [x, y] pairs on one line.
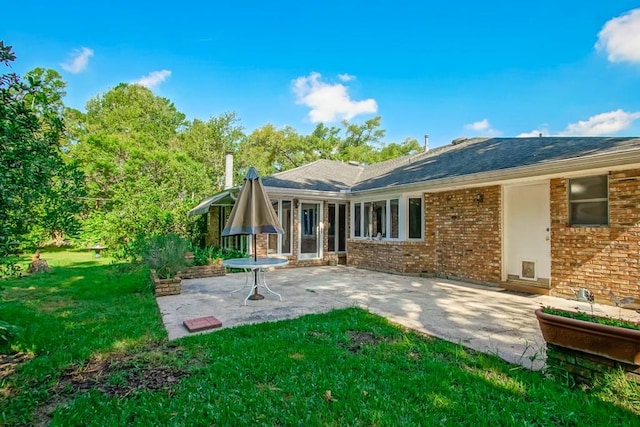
[[94, 352]]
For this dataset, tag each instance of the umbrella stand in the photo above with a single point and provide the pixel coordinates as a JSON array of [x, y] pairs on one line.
[[256, 295]]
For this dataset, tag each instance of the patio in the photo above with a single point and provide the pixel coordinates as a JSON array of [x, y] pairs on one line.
[[483, 318]]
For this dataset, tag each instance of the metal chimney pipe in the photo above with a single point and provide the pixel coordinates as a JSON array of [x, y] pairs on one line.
[[426, 143], [228, 170]]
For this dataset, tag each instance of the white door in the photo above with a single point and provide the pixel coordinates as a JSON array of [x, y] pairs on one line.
[[527, 232], [310, 233]]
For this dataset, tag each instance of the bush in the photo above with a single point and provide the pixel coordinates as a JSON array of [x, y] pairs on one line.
[[8, 334], [166, 255], [207, 254]]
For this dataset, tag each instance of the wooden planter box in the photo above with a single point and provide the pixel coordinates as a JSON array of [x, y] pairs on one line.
[[200, 271], [164, 287], [611, 342]]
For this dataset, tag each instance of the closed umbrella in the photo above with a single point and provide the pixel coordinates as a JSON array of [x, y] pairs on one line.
[[252, 214]]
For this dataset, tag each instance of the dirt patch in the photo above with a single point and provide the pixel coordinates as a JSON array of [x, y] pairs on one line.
[[359, 339], [117, 375], [9, 363]]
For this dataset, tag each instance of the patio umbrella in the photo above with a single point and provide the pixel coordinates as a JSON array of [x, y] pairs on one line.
[[252, 214]]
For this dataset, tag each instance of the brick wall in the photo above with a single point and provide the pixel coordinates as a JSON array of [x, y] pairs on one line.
[[212, 238], [385, 255], [598, 258], [462, 239], [586, 368], [468, 234]]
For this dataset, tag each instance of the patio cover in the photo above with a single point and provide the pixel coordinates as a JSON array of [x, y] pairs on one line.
[[224, 198]]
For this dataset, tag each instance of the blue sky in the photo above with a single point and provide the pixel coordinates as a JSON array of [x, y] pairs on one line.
[[450, 69]]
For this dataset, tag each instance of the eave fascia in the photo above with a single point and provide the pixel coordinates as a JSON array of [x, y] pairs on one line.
[[306, 194]]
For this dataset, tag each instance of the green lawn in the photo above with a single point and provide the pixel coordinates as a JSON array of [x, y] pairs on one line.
[[93, 351]]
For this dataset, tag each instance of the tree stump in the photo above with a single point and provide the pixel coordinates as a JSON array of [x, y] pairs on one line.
[[38, 265]]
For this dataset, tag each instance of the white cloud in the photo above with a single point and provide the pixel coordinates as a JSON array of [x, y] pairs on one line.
[[620, 38], [153, 79], [533, 133], [329, 102], [346, 77], [601, 124], [478, 126], [78, 60], [482, 126]]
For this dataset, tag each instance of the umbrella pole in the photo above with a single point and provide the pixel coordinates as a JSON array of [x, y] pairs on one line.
[[256, 295]]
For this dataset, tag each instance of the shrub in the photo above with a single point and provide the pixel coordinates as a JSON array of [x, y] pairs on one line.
[[208, 254], [166, 255], [8, 334]]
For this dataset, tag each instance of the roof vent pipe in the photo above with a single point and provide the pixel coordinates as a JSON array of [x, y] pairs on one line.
[[426, 143], [228, 170]]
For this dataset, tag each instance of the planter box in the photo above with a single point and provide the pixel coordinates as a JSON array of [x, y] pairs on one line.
[[164, 287], [611, 342], [200, 271]]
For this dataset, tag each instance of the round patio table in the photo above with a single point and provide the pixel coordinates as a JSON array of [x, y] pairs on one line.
[[258, 267]]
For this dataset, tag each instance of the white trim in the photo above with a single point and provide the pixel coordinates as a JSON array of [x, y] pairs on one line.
[[336, 218]]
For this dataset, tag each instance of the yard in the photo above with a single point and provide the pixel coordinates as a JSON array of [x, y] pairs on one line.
[[93, 351]]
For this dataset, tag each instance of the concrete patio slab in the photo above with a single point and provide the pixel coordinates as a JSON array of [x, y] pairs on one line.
[[484, 318]]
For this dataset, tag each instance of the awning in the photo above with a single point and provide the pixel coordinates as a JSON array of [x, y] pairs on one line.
[[224, 198]]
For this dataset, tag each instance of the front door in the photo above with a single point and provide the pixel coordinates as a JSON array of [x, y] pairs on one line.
[[310, 234], [527, 237]]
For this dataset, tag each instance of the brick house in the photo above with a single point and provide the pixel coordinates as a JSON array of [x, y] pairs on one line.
[[538, 215]]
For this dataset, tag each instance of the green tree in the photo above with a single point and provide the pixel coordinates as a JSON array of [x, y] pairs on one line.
[[272, 150], [31, 160], [206, 143], [140, 176]]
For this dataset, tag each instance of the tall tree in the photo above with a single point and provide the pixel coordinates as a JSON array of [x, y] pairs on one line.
[[31, 160], [138, 175]]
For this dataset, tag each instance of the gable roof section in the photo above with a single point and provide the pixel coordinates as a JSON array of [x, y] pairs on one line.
[[476, 156], [321, 175]]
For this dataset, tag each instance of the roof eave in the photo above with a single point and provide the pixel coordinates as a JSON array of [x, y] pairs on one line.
[[302, 193], [547, 170]]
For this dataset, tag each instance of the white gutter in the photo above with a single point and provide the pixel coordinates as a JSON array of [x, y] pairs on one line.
[[300, 193]]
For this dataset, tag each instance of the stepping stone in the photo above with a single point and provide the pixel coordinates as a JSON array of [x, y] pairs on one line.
[[202, 324]]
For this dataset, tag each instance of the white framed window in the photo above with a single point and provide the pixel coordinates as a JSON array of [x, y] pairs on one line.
[[393, 218], [589, 201], [280, 244], [415, 218]]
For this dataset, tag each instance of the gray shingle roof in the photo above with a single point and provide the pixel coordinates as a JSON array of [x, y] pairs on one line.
[[472, 156], [491, 154], [321, 175]]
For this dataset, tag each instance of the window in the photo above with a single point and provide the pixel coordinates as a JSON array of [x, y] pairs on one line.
[[394, 218], [415, 218], [375, 219], [589, 201], [395, 225], [337, 227], [272, 239], [278, 244]]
